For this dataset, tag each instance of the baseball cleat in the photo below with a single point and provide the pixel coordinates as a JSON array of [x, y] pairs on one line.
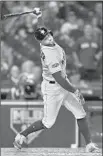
[[19, 139], [92, 147]]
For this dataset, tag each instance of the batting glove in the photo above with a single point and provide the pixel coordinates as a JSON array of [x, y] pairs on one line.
[[37, 12], [79, 96]]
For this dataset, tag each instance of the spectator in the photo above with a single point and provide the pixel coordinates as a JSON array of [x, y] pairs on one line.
[[70, 24], [86, 48], [4, 69], [77, 33], [28, 87], [14, 75], [13, 82], [96, 30], [22, 34], [6, 59], [63, 8], [98, 13], [37, 74], [53, 7], [27, 66], [30, 20], [18, 43], [51, 18], [28, 84], [6, 54]]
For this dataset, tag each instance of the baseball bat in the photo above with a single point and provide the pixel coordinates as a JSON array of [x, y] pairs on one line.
[[19, 14]]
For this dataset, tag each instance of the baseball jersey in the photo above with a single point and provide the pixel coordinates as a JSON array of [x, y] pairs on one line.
[[53, 60], [86, 50]]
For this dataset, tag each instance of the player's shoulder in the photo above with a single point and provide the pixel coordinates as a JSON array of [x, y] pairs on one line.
[[48, 51]]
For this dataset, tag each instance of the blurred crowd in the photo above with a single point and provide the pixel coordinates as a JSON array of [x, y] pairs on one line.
[[76, 26]]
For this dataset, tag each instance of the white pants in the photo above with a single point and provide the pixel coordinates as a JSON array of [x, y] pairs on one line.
[[54, 96]]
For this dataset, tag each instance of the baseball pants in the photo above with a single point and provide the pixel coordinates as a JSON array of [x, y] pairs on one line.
[[54, 96]]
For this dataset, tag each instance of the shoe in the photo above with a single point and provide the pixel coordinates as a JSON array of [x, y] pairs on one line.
[[92, 147], [19, 139]]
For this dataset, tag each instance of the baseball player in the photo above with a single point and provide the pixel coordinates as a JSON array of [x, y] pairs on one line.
[[56, 89]]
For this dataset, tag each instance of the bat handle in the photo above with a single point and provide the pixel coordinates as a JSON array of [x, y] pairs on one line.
[[17, 14]]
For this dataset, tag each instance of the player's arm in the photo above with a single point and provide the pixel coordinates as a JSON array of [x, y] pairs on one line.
[[68, 86], [55, 69], [63, 82], [38, 14]]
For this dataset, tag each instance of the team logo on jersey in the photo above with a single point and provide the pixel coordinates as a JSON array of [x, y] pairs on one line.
[[21, 118], [55, 65], [42, 31]]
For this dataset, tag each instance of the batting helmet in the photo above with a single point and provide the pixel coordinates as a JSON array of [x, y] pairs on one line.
[[40, 33]]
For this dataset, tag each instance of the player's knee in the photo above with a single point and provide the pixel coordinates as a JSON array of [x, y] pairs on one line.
[[81, 116], [48, 124]]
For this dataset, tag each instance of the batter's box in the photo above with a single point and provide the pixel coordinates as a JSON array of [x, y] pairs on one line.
[[47, 152]]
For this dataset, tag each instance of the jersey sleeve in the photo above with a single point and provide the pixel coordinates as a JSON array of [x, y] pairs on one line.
[[54, 65], [52, 62]]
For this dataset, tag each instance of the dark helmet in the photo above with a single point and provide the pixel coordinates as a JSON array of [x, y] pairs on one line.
[[40, 33]]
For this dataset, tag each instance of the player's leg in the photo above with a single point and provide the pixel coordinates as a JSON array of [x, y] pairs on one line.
[[72, 104], [52, 104], [51, 108], [20, 138], [53, 99], [77, 109]]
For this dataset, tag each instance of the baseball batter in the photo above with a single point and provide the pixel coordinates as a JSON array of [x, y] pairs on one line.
[[56, 89]]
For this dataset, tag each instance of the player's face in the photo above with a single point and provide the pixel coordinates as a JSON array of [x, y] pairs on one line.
[[48, 40]]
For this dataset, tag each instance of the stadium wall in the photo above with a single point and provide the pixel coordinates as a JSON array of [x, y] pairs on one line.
[[17, 115]]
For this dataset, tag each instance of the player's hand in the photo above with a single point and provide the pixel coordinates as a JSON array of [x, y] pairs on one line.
[[79, 96], [37, 12]]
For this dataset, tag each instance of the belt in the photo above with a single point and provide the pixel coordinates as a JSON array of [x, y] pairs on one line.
[[52, 82]]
